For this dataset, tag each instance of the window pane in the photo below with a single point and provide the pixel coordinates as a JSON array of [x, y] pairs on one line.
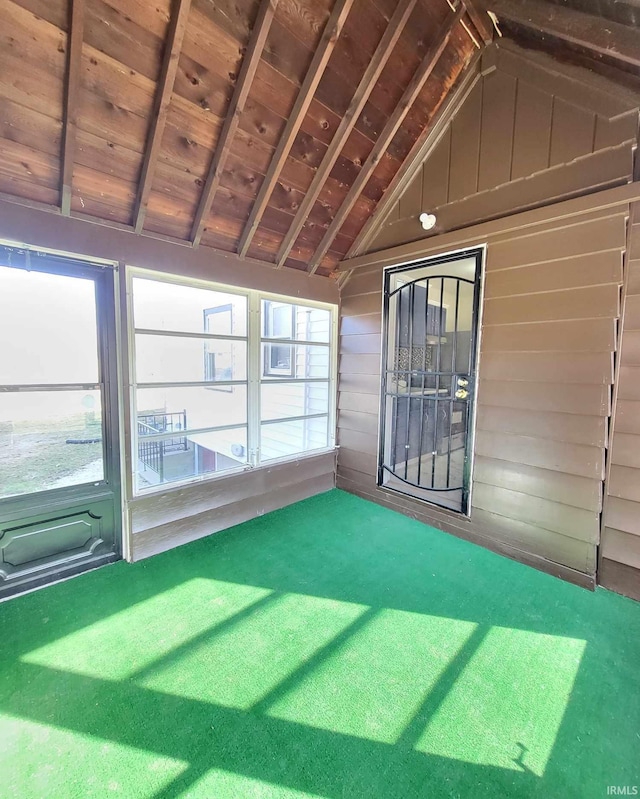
[[180, 457], [295, 360], [165, 359], [170, 306], [280, 400], [288, 438], [163, 410], [284, 320], [47, 328], [49, 439]]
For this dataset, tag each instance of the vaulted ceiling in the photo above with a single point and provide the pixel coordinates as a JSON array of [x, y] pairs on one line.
[[267, 128]]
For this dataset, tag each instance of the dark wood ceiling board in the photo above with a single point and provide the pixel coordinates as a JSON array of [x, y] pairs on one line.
[[372, 73], [25, 163], [164, 91], [75, 38], [255, 48], [35, 89], [201, 87], [123, 89], [91, 186], [28, 191], [111, 123], [418, 80], [107, 157], [241, 179], [321, 56], [162, 226], [153, 17], [31, 128], [226, 202], [211, 47], [53, 11], [188, 140], [109, 30], [36, 43], [286, 54], [304, 19], [107, 213], [613, 40], [235, 18]]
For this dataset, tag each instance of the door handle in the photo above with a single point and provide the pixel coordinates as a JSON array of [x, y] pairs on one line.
[[462, 393]]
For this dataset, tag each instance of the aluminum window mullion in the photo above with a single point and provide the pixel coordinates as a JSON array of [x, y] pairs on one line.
[[281, 420], [194, 384], [147, 331], [25, 388], [294, 342], [196, 431], [254, 325]]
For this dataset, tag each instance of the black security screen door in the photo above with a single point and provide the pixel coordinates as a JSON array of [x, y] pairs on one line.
[[428, 378]]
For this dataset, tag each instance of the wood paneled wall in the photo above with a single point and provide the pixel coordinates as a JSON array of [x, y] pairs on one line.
[[528, 132], [546, 369], [163, 521], [620, 550]]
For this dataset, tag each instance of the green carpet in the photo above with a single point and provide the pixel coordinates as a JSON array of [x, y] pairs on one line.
[[332, 649]]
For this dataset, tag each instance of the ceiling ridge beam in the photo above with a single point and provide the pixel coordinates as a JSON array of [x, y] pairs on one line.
[[323, 52], [420, 151], [604, 37], [246, 75], [72, 90], [164, 92], [378, 61], [419, 78]]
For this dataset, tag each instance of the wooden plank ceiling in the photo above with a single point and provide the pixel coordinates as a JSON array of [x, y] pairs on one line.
[[242, 125], [267, 128]]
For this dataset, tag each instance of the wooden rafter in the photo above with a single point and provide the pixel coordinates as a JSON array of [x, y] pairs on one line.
[[412, 91], [72, 91], [365, 87], [423, 145], [241, 92], [590, 32], [173, 46], [480, 19], [330, 35]]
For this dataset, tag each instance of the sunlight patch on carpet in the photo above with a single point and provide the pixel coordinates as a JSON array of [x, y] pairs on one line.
[[121, 644], [50, 762], [506, 707], [378, 679], [237, 667]]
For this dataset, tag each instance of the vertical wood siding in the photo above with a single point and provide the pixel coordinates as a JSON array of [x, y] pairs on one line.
[[530, 132], [551, 305], [620, 550]]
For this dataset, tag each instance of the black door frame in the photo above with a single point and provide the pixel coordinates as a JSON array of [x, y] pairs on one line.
[[53, 502], [478, 254]]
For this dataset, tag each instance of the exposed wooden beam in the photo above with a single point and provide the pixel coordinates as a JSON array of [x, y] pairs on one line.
[[164, 90], [365, 87], [593, 33], [423, 145], [481, 21], [394, 122], [330, 35], [72, 91], [236, 106]]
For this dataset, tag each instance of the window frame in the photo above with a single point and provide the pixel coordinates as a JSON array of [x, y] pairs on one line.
[[255, 374]]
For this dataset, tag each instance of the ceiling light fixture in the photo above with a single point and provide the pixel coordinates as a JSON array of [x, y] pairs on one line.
[[428, 221]]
